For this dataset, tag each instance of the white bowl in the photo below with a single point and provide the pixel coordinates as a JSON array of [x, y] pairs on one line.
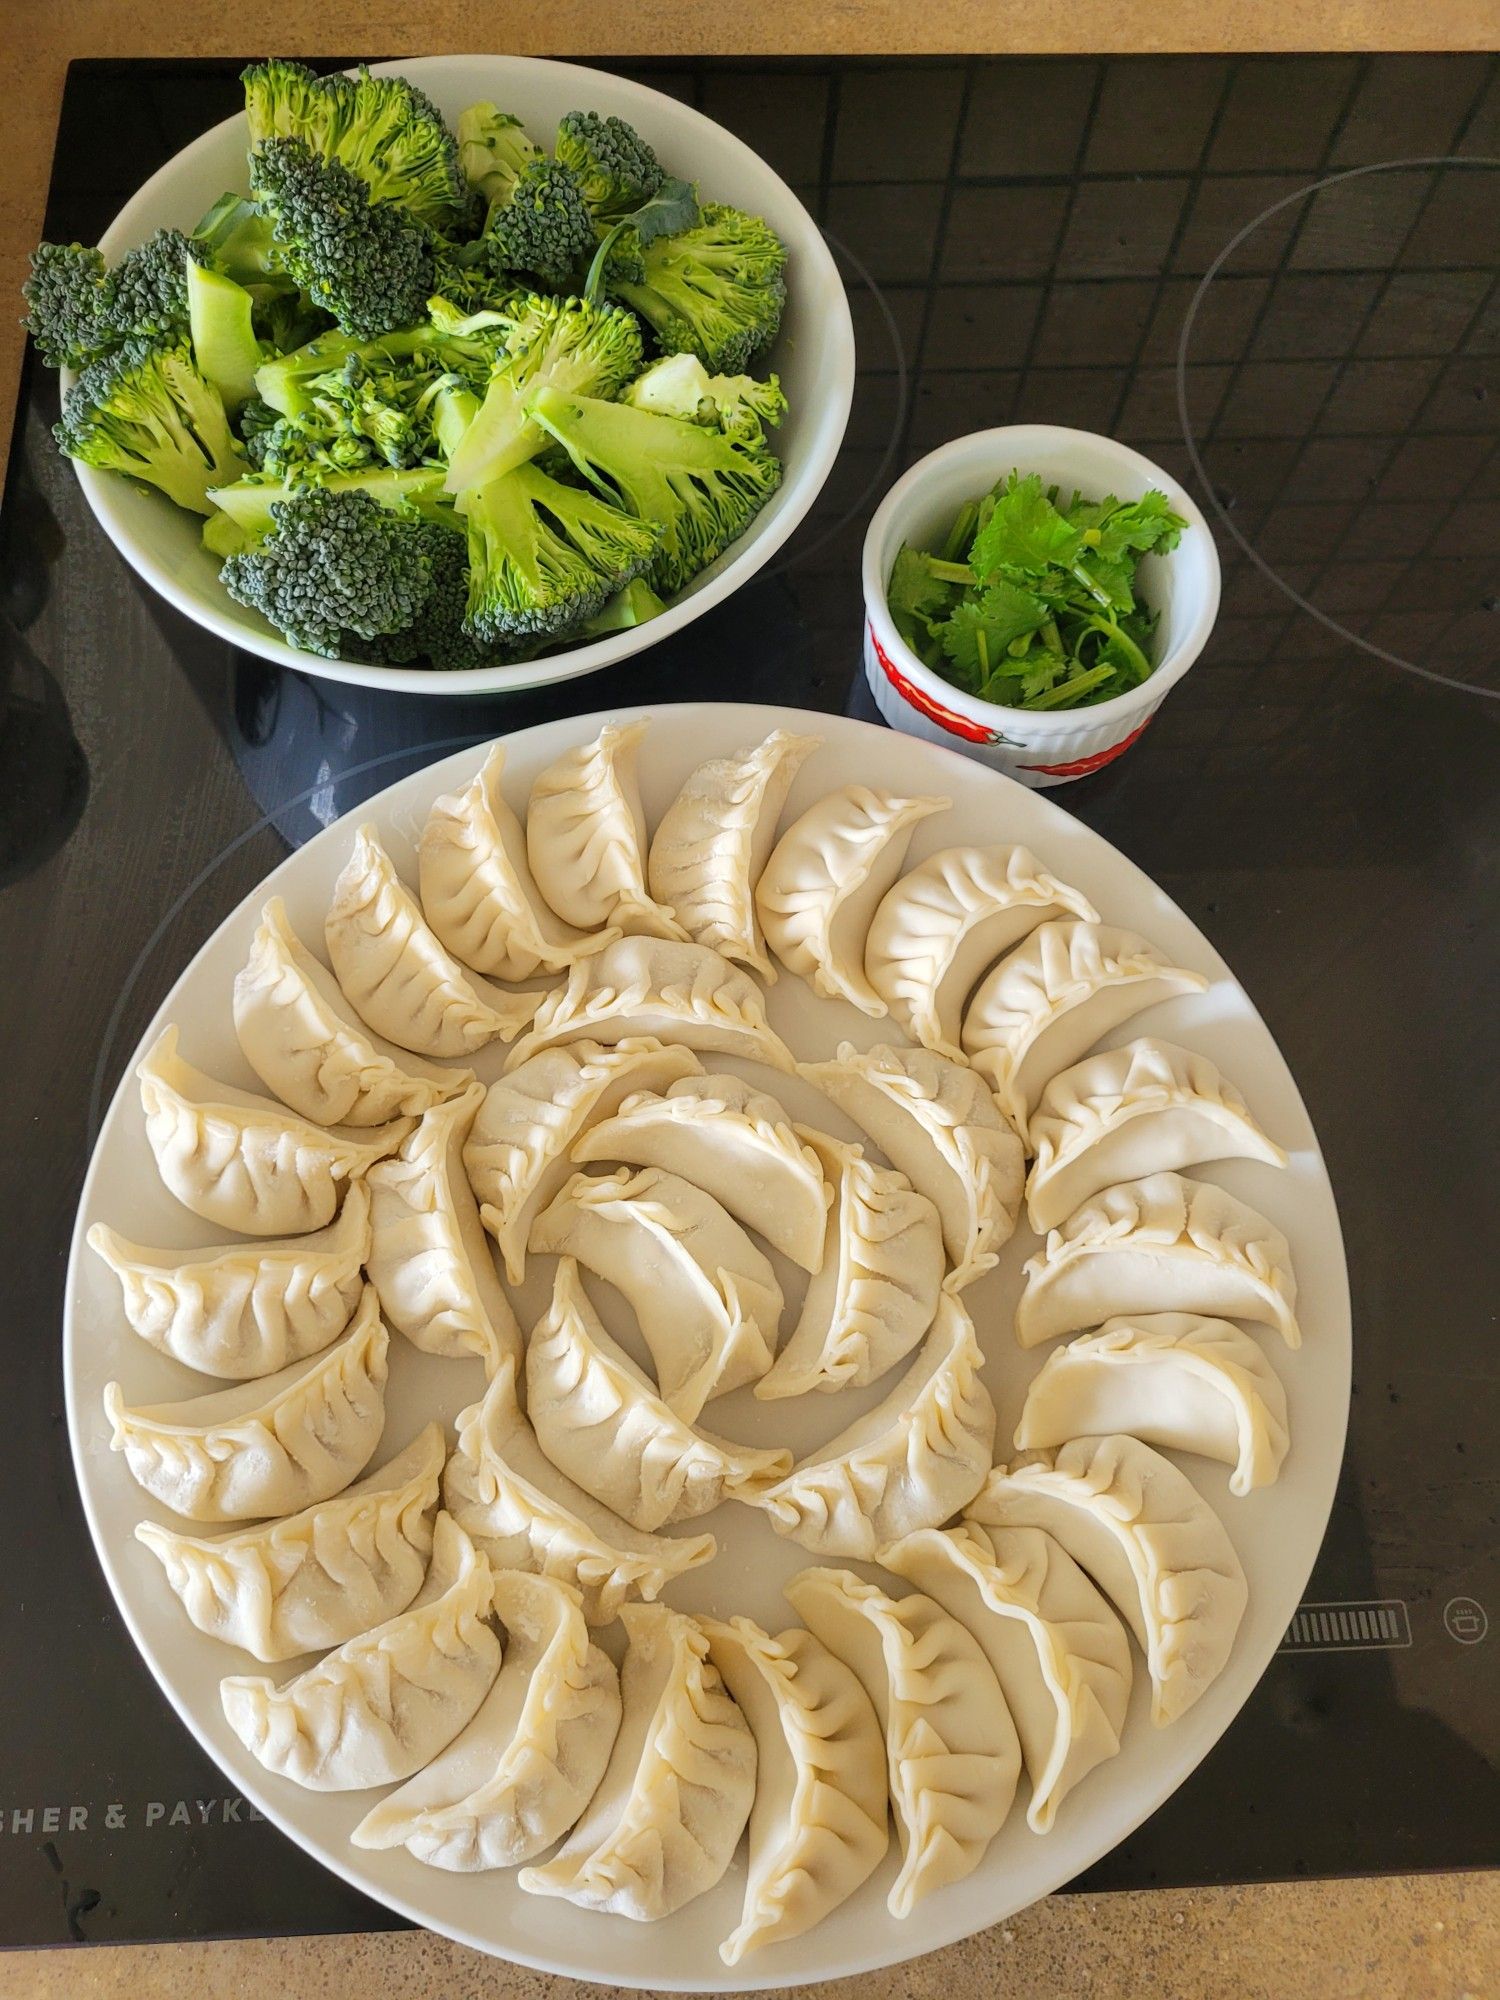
[[814, 355], [1050, 746]]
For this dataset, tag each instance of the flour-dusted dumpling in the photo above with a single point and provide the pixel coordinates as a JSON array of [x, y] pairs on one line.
[[309, 1047], [586, 837], [267, 1447], [1047, 1003], [476, 886], [1148, 1108], [599, 1419], [641, 986], [1151, 1543], [1162, 1244], [668, 1815], [317, 1578], [519, 1150], [244, 1162], [936, 1122], [398, 976], [876, 1292], [825, 876], [1174, 1380], [429, 1256], [952, 1755], [706, 1300], [938, 929], [818, 1825], [520, 1773], [1059, 1653], [242, 1310], [911, 1462], [711, 846], [385, 1703], [735, 1143], [507, 1494]]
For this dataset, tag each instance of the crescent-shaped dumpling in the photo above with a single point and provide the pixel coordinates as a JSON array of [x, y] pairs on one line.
[[942, 924], [827, 872], [1058, 1651], [1162, 1244], [952, 1754], [711, 846], [1148, 1108], [507, 1494], [673, 1802], [1050, 1000], [586, 837], [735, 1143], [520, 1773], [818, 1825], [914, 1460], [1147, 1538], [396, 974], [1174, 1380]]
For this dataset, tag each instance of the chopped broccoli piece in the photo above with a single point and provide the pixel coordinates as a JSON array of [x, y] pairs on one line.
[[616, 169], [493, 148], [680, 386], [235, 237], [538, 222], [145, 411], [334, 564], [416, 492], [716, 291], [632, 606], [221, 325], [544, 557], [703, 486], [79, 309], [438, 635], [367, 411], [370, 265]]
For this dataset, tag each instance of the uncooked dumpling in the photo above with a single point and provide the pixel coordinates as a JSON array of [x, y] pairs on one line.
[[267, 1447], [1174, 1380], [818, 1825], [1148, 1108], [735, 1143], [641, 986], [711, 846], [385, 1703], [935, 1120], [312, 1581], [309, 1047], [507, 1494], [706, 1300], [477, 891], [665, 1821], [825, 876], [242, 1310], [1146, 1537], [952, 1755], [1047, 1003], [876, 1292], [245, 1162], [1163, 1244], [911, 1462], [1060, 1654], [518, 1776], [938, 929], [599, 1419], [519, 1151], [398, 976], [429, 1256], [586, 837]]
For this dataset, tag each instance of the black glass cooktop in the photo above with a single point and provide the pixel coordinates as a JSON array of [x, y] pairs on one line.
[[1125, 245]]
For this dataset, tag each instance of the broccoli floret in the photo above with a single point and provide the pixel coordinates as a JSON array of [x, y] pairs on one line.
[[438, 635], [680, 386], [235, 237], [590, 350], [632, 606], [716, 291], [493, 148], [616, 169], [368, 411], [334, 564], [79, 309], [370, 265], [544, 557], [540, 223], [703, 486], [146, 411]]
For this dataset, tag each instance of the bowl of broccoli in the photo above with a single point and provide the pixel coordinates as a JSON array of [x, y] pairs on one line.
[[453, 375]]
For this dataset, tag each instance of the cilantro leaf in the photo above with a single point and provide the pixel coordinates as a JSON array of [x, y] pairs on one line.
[[1024, 532], [1147, 523], [978, 635], [916, 598]]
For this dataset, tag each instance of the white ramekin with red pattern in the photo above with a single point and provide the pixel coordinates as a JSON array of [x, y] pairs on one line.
[[1053, 745]]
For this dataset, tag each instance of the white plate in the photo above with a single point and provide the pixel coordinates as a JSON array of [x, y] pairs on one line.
[[1277, 1531]]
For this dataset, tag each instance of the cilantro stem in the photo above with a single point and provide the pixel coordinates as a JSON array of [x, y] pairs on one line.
[[1052, 638], [1126, 644], [1067, 692], [1095, 590], [950, 572]]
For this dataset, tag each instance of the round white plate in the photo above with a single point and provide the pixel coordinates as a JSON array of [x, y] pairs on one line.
[[1277, 1531]]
